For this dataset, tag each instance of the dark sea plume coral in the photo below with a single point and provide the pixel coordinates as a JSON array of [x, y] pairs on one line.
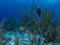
[[45, 23], [51, 35], [40, 27]]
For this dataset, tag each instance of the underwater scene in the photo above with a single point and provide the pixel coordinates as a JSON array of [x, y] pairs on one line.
[[29, 22]]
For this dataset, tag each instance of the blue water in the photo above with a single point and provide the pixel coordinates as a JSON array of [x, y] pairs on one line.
[[18, 7]]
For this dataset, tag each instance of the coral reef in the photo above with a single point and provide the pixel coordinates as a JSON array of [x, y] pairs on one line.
[[30, 31]]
